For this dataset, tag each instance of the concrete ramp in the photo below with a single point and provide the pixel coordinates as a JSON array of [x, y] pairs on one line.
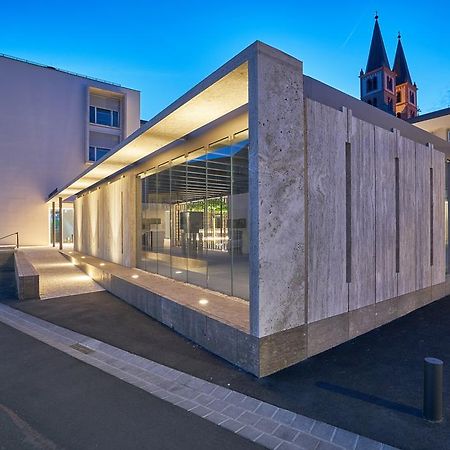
[[57, 276]]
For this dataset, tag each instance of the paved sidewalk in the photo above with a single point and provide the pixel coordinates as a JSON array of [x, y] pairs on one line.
[[57, 276], [253, 419]]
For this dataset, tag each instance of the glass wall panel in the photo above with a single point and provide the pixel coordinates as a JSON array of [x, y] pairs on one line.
[[193, 218], [150, 222], [178, 173], [194, 221], [163, 215], [240, 209], [218, 211]]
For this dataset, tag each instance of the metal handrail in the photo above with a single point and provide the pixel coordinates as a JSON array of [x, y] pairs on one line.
[[12, 234]]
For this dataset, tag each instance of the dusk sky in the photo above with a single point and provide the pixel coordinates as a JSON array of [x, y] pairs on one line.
[[165, 48]]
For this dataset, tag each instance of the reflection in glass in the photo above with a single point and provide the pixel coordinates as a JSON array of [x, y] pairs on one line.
[[194, 221]]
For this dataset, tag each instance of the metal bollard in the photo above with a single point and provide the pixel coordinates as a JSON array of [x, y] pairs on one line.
[[432, 389]]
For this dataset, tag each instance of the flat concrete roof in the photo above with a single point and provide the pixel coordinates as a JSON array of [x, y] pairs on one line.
[[222, 92], [431, 115], [63, 71]]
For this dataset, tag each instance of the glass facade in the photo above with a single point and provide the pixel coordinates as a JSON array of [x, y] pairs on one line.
[[194, 217]]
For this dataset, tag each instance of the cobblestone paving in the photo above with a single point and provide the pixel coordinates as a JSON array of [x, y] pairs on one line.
[[261, 422]]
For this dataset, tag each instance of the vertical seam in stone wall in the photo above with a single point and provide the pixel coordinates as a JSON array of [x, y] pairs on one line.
[[121, 220], [397, 215], [306, 204], [375, 207], [348, 212], [431, 217]]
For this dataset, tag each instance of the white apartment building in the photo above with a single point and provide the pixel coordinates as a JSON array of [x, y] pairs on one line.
[[53, 125]]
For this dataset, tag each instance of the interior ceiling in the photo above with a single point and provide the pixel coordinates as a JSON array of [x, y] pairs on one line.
[[225, 95]]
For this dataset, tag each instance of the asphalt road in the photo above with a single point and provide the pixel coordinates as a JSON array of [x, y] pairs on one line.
[[49, 401], [371, 385]]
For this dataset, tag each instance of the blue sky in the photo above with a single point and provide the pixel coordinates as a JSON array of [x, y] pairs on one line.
[[164, 48]]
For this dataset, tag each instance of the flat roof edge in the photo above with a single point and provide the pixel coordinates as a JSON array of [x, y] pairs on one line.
[[330, 96], [64, 71]]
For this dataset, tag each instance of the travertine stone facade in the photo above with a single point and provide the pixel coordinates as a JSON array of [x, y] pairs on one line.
[[276, 122]]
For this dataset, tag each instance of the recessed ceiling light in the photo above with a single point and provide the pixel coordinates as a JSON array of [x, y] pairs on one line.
[[178, 272], [203, 301], [134, 276]]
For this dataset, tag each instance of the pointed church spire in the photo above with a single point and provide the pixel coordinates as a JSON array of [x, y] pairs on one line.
[[377, 54], [400, 64]]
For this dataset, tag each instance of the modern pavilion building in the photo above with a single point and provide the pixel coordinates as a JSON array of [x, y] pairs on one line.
[[265, 215]]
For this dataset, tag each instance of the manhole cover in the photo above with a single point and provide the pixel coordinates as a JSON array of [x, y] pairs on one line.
[[81, 348]]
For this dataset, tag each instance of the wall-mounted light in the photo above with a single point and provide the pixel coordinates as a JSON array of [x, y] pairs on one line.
[[102, 264], [83, 257]]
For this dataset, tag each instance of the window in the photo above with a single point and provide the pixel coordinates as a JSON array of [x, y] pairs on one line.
[[102, 116], [375, 102], [95, 153], [399, 115], [389, 84], [372, 84], [399, 97], [411, 97], [390, 104]]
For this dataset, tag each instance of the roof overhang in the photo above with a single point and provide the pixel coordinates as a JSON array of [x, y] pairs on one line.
[[219, 94]]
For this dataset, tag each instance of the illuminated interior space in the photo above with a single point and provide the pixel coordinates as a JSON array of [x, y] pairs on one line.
[[194, 216]]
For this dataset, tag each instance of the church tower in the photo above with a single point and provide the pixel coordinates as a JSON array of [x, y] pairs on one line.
[[406, 91], [378, 81]]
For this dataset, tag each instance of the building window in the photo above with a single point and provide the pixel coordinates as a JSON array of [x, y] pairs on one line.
[[390, 84], [375, 102], [390, 104], [411, 97], [102, 116], [399, 115], [372, 84], [95, 153], [399, 97], [194, 218]]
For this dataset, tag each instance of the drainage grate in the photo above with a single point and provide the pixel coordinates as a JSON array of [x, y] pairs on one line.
[[81, 348]]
